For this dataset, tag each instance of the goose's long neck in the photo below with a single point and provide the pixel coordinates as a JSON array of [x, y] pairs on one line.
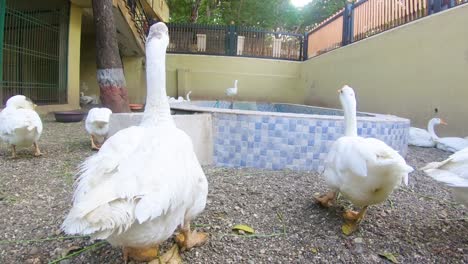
[[350, 119], [157, 109], [430, 129]]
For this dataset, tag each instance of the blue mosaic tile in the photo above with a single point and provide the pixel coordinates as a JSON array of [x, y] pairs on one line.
[[294, 143]]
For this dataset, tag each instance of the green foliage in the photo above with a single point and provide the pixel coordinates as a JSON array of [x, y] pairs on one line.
[[319, 10], [269, 14]]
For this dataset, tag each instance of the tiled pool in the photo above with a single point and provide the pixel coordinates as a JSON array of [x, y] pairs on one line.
[[286, 136]]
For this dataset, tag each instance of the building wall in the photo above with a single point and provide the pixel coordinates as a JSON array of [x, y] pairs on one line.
[[259, 79], [408, 71], [134, 70]]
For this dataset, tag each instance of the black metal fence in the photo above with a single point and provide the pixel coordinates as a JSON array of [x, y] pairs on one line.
[[235, 41], [365, 18]]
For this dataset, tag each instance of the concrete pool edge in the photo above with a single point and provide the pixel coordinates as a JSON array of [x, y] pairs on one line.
[[188, 107], [269, 140]]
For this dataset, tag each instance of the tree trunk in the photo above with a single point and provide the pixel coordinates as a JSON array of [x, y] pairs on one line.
[[194, 15], [110, 76]]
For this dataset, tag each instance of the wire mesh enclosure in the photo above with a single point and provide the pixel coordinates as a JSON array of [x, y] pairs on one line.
[[35, 41], [234, 41]]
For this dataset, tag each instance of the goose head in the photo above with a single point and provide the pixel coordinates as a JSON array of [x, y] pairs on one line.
[[437, 121], [160, 32], [348, 102], [430, 126], [20, 102], [347, 98]]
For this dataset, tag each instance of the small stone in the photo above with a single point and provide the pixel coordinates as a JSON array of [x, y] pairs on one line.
[[33, 251], [262, 251], [34, 261], [358, 240], [237, 208]]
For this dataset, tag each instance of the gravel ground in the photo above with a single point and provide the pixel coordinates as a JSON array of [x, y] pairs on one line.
[[420, 224]]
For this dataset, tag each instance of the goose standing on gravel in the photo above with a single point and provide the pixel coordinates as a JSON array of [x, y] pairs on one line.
[[453, 172], [364, 170], [145, 181], [20, 125], [423, 138], [97, 125]]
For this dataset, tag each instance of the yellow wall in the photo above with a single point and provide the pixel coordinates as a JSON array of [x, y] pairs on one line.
[[259, 79], [73, 78], [134, 71], [407, 72], [74, 41]]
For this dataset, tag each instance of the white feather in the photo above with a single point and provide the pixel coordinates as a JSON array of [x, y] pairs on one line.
[[146, 180], [364, 170], [97, 123], [20, 125], [453, 172]]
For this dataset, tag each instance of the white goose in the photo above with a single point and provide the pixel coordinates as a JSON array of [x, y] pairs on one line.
[[450, 144], [232, 91], [97, 125], [452, 172], [364, 170], [423, 138], [20, 125], [145, 181]]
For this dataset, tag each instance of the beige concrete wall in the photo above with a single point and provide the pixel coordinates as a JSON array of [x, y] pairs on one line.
[[259, 79], [408, 71]]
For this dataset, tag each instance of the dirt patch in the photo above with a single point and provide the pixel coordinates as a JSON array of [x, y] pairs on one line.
[[419, 224]]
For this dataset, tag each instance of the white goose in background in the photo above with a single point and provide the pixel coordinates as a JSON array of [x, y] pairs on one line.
[[86, 99], [20, 125], [145, 182], [423, 138], [97, 125], [180, 98], [364, 170], [231, 92], [450, 144], [453, 172]]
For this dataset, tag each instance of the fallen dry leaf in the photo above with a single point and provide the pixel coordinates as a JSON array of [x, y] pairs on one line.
[[389, 256], [247, 229]]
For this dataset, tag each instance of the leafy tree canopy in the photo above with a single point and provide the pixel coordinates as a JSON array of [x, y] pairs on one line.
[[279, 15]]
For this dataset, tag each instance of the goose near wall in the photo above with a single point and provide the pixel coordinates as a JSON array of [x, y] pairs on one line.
[[423, 138], [97, 125], [450, 144], [452, 172], [145, 182], [364, 170], [20, 125], [232, 91]]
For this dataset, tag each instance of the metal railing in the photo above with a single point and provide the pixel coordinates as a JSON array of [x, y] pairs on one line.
[[235, 41], [365, 18], [142, 21]]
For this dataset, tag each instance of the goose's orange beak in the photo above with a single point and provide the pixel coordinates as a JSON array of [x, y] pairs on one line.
[[443, 122], [339, 90]]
